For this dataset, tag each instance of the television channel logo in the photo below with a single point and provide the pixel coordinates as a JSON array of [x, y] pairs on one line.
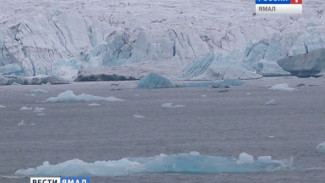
[[59, 180], [278, 6]]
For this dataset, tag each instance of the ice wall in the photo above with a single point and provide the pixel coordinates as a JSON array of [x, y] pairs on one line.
[[59, 38]]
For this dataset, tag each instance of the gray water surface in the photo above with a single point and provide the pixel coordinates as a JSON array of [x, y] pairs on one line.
[[224, 123]]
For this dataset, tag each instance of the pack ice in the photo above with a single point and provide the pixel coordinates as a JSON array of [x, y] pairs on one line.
[[69, 96], [192, 162], [189, 40]]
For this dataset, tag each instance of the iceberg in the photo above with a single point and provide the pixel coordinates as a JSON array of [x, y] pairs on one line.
[[192, 162], [69, 96], [282, 87], [321, 147], [2, 106], [155, 81], [305, 65]]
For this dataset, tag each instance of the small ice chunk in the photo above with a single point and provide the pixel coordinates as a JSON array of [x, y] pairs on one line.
[[321, 147], [138, 116], [26, 108], [248, 93], [271, 136], [38, 91], [93, 104], [264, 159], [21, 123], [39, 109], [2, 106], [282, 87], [69, 96], [41, 114], [170, 105], [203, 96], [271, 102], [245, 158]]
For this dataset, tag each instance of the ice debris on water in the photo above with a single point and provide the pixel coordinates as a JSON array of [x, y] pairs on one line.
[[138, 116], [69, 96], [39, 109], [26, 108], [21, 123], [321, 147], [37, 92], [282, 87], [192, 162], [2, 106], [154, 80], [271, 102], [93, 104], [217, 84], [170, 105]]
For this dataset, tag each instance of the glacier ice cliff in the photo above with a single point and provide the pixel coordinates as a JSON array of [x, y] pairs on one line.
[[206, 41]]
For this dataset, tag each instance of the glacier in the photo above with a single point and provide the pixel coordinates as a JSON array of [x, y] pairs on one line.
[[69, 96], [206, 41], [192, 162]]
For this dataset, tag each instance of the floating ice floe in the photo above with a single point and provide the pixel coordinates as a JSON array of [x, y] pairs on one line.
[[21, 123], [282, 87], [155, 81], [39, 109], [2, 106], [26, 108], [321, 147], [37, 92], [271, 102], [138, 116], [192, 162], [69, 96], [170, 105], [93, 104]]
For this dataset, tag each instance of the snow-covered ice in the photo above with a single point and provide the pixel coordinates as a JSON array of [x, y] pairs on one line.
[[321, 147], [155, 81], [171, 106], [69, 96], [177, 163], [282, 87]]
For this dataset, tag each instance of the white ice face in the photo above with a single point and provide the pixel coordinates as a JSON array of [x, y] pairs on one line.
[[58, 38]]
